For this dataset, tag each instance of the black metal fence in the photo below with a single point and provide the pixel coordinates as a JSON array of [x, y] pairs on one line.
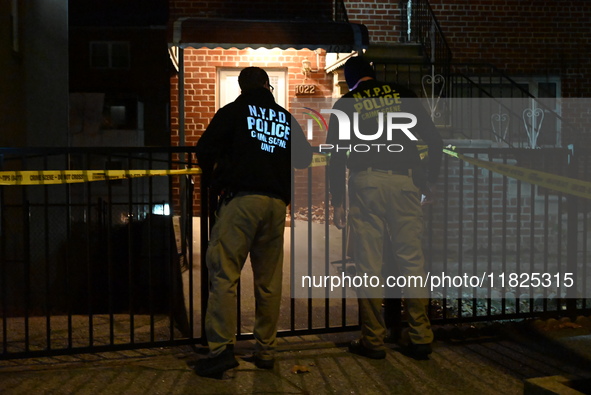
[[510, 229], [119, 264], [95, 265], [502, 231]]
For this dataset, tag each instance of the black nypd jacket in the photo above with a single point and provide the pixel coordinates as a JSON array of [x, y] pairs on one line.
[[248, 147], [390, 150]]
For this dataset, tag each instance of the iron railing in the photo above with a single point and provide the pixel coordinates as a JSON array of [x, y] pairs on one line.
[[340, 11], [484, 224], [420, 25], [99, 266], [480, 102], [539, 121], [96, 265], [519, 118]]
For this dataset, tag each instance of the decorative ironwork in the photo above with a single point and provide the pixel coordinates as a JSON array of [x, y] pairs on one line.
[[340, 11], [421, 26], [500, 125], [536, 115], [436, 83]]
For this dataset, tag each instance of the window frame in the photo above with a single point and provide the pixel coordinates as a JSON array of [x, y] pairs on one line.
[[110, 63]]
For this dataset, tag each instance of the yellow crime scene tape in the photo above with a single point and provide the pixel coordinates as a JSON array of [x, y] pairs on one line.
[[49, 177], [555, 182]]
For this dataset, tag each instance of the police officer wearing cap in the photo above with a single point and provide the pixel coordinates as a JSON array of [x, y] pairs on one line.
[[385, 188]]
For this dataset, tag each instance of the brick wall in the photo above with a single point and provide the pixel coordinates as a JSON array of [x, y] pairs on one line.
[[201, 67], [542, 37], [523, 37], [382, 18]]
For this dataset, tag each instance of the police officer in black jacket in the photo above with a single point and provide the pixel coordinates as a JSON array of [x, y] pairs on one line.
[[247, 154], [376, 139]]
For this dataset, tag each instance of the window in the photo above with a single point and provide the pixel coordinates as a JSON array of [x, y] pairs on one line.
[[109, 55], [525, 113], [106, 120], [122, 114], [229, 90]]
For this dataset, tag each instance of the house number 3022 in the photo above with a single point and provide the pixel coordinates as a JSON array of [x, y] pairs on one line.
[[305, 89]]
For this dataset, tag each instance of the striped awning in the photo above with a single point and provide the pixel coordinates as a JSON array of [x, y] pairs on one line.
[[232, 33]]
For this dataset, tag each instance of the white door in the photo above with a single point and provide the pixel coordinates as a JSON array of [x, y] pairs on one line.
[[229, 90]]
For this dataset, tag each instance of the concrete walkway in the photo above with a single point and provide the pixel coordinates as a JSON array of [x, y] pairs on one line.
[[499, 364]]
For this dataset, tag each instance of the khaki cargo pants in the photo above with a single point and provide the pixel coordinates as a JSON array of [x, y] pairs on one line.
[[254, 224], [386, 205]]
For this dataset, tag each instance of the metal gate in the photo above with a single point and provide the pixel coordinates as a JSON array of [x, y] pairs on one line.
[[119, 263]]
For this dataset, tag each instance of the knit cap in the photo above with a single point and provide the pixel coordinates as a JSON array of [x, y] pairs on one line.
[[356, 68]]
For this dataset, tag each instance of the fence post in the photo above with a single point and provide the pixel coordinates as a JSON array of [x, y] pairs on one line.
[[205, 217], [572, 238]]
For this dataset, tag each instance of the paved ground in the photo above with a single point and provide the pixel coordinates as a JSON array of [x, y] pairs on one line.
[[464, 362], [497, 364]]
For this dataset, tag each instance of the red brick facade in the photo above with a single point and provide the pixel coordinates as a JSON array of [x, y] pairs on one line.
[[382, 18], [201, 66], [201, 70], [542, 38], [522, 38], [531, 38]]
